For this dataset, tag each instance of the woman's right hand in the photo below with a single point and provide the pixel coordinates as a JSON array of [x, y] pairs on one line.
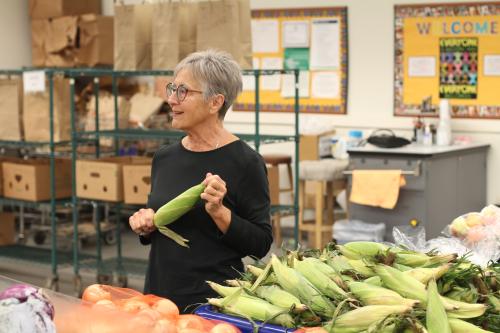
[[142, 221]]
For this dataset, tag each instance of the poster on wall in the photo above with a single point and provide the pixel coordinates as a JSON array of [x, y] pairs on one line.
[[458, 68], [447, 51]]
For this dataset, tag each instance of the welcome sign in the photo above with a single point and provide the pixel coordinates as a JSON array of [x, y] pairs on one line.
[[450, 52]]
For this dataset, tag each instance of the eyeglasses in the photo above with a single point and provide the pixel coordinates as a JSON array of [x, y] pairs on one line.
[[181, 91]]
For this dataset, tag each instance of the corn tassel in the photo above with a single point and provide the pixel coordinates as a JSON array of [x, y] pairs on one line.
[[401, 283], [253, 307], [174, 209], [424, 274], [319, 279], [373, 295], [461, 326], [436, 319], [279, 297], [293, 282], [360, 319]]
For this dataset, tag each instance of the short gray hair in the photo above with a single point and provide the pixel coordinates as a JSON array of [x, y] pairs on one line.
[[218, 73]]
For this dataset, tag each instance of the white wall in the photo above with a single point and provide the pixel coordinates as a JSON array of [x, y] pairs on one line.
[[15, 36], [370, 91]]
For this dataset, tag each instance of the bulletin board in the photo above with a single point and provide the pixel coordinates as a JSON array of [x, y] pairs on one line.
[[313, 40], [447, 51]]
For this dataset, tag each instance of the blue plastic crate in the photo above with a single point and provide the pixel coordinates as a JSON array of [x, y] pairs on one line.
[[207, 311]]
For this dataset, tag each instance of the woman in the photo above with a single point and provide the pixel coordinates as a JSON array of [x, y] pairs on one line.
[[233, 219]]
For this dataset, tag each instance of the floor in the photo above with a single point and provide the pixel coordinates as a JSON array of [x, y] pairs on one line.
[[37, 274]]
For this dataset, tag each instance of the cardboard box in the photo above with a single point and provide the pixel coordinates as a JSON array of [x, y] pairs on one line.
[[4, 159], [315, 146], [96, 41], [102, 179], [136, 183], [30, 179], [7, 229], [42, 9]]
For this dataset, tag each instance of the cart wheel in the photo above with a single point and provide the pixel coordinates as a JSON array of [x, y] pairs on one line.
[[77, 286], [121, 280], [104, 278], [52, 283], [110, 238], [39, 237]]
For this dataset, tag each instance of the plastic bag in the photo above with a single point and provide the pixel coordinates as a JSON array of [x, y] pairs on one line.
[[474, 234], [356, 230]]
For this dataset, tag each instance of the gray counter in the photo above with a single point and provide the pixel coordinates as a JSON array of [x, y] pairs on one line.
[[443, 182]]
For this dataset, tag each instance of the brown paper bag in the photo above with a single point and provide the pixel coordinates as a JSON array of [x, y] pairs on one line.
[[39, 9], [39, 30], [36, 113], [96, 40], [221, 25], [132, 30], [61, 33], [10, 109], [188, 14], [165, 35]]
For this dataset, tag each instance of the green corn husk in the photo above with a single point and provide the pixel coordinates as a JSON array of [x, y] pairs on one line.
[[363, 248], [468, 295], [402, 268], [174, 209], [257, 272], [412, 259], [252, 307], [360, 319], [457, 309], [293, 282], [374, 281], [348, 253], [401, 283], [495, 303], [436, 319], [339, 264], [360, 267], [238, 283], [279, 297], [223, 290], [372, 295], [320, 280], [461, 326], [424, 274], [327, 270]]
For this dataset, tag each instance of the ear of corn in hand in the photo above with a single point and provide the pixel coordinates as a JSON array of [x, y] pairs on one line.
[[174, 209], [436, 318]]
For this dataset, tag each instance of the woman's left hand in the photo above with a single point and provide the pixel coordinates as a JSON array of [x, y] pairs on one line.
[[215, 190]]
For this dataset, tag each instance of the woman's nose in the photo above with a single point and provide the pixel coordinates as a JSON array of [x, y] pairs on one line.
[[172, 99]]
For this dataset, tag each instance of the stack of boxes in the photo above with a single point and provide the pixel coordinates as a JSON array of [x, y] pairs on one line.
[[69, 33]]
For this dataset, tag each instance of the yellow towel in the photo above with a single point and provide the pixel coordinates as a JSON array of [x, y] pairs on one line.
[[378, 188]]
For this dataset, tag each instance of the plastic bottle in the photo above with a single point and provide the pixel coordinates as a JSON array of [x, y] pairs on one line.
[[427, 139], [443, 135], [354, 139]]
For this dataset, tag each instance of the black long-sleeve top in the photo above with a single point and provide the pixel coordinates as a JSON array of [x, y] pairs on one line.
[[179, 273]]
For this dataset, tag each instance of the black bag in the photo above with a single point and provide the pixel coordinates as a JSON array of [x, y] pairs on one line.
[[386, 140]]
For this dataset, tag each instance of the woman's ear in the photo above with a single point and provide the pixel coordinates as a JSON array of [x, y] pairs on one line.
[[216, 102]]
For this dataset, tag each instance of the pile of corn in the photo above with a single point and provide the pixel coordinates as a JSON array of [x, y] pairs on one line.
[[367, 287]]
